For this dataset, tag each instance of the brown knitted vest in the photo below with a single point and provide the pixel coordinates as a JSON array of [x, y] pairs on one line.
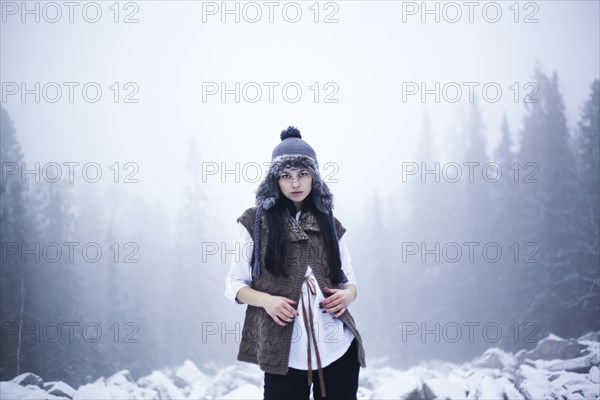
[[263, 341]]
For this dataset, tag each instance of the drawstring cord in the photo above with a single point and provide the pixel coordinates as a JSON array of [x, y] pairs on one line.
[[312, 290]]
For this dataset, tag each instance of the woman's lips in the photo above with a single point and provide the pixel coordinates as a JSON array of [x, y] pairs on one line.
[[296, 193]]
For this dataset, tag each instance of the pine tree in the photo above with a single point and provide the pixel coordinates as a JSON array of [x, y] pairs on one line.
[[586, 298], [190, 271], [16, 229], [546, 185], [57, 282]]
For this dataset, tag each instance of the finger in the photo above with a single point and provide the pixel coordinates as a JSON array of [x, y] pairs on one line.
[[328, 301], [290, 310], [332, 305], [340, 312], [278, 321], [289, 319], [290, 300], [335, 309]]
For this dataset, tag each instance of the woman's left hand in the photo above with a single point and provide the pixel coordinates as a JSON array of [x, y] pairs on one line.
[[339, 300]]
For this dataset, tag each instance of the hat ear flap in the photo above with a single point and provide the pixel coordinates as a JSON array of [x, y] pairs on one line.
[[322, 196], [267, 193]]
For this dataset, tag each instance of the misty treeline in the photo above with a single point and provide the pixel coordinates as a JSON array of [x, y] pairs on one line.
[[77, 320], [542, 214]]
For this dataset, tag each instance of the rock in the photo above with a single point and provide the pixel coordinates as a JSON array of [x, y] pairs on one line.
[[590, 337], [513, 365], [93, 391], [510, 391], [488, 388], [534, 384], [29, 378], [405, 386], [121, 385], [13, 391], [60, 389], [565, 383], [121, 378], [373, 378], [101, 381], [246, 391], [444, 388], [594, 374], [553, 347], [160, 383], [564, 378], [493, 358], [188, 374], [588, 391], [581, 364]]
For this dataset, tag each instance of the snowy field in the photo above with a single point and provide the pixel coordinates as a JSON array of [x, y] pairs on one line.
[[556, 369]]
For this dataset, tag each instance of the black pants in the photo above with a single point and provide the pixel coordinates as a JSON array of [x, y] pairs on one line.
[[341, 380]]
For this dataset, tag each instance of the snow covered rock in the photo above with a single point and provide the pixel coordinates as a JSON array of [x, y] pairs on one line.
[[229, 378], [373, 378], [59, 389], [534, 384], [594, 374], [404, 386], [589, 337], [93, 391], [122, 378], [246, 392], [513, 365], [568, 384], [29, 378], [557, 369], [493, 358], [159, 382], [121, 385], [189, 375], [488, 388], [581, 364], [510, 391], [553, 347], [444, 388], [15, 391]]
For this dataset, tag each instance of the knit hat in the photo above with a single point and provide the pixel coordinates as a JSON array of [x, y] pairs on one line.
[[292, 152]]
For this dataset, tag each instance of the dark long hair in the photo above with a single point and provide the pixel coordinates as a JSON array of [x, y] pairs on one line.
[[277, 217]]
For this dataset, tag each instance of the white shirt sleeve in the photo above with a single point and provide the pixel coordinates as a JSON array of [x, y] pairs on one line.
[[346, 263], [240, 275]]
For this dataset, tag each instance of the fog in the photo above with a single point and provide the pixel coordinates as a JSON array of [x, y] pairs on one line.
[[460, 142]]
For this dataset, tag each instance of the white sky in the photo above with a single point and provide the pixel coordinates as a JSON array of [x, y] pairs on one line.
[[367, 54]]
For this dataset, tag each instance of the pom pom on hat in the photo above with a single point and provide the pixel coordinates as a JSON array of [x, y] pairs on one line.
[[291, 131]]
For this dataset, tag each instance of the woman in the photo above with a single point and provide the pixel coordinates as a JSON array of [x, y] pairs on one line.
[[299, 259]]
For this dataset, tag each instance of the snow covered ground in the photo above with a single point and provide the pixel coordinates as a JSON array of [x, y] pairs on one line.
[[556, 369]]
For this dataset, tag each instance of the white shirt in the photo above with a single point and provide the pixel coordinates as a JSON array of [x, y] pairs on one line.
[[332, 336]]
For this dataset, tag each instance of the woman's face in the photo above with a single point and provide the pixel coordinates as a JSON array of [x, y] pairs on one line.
[[296, 185]]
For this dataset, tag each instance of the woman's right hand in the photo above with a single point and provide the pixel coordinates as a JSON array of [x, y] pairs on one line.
[[281, 309]]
